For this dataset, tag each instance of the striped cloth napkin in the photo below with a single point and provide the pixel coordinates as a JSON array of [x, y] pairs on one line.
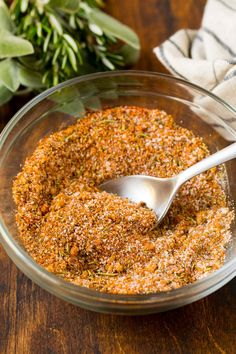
[[206, 57]]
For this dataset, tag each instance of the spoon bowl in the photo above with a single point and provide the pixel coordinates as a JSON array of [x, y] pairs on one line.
[[158, 193]]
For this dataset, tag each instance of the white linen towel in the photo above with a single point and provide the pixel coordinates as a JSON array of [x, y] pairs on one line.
[[206, 57]]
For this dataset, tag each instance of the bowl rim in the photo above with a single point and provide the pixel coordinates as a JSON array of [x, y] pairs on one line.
[[8, 240]]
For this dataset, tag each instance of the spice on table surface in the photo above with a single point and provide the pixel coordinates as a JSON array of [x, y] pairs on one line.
[[101, 241]]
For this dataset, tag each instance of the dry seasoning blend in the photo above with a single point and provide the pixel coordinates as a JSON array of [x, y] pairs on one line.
[[101, 241]]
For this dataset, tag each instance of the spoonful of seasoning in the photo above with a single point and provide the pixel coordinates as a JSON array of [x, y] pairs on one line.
[[158, 193]]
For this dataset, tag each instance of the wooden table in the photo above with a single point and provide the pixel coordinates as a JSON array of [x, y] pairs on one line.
[[33, 321]]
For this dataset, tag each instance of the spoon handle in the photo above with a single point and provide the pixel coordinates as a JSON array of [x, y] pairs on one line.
[[213, 160]]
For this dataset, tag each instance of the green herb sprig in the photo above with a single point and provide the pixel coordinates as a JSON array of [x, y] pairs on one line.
[[45, 42]]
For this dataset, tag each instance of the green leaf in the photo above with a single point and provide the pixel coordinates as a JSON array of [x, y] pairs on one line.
[[46, 42], [5, 95], [69, 101], [112, 27], [30, 78], [95, 29], [30, 62], [74, 108], [5, 19], [13, 46], [130, 55], [55, 23], [55, 56], [71, 42], [9, 74], [108, 63], [72, 58], [70, 6], [23, 5]]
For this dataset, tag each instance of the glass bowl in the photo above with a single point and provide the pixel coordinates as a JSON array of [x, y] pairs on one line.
[[194, 108]]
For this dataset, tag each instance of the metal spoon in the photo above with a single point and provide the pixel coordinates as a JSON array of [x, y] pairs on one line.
[[158, 193]]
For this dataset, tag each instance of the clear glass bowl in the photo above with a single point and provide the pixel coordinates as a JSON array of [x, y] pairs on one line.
[[193, 108]]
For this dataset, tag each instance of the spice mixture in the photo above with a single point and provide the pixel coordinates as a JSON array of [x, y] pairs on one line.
[[101, 241]]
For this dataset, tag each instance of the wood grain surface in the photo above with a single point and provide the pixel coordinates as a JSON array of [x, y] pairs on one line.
[[35, 322]]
